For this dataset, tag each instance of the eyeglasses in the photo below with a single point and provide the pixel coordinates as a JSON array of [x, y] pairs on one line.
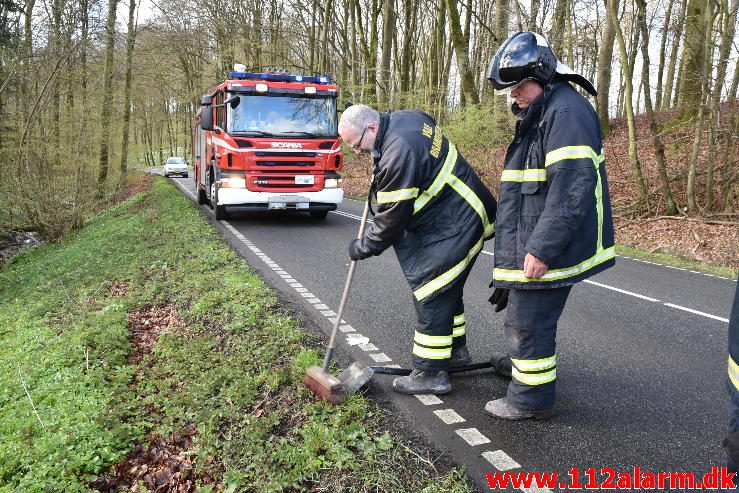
[[359, 142]]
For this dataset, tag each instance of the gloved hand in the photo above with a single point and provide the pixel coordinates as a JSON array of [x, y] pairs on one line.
[[354, 250], [499, 299]]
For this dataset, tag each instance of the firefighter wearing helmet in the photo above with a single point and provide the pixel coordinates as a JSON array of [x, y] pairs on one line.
[[553, 224]]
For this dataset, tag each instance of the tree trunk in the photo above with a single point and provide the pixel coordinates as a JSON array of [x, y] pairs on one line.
[[642, 196], [605, 64], [694, 57], [561, 11], [727, 36], [672, 68], [130, 43], [659, 148], [388, 26], [107, 91], [662, 49], [323, 54], [460, 50]]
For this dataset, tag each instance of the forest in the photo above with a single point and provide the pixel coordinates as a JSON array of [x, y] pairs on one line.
[[91, 89]]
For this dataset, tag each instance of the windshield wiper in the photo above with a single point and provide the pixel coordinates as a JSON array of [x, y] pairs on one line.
[[259, 132], [307, 134]]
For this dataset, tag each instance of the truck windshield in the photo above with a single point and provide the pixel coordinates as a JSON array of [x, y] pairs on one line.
[[283, 115]]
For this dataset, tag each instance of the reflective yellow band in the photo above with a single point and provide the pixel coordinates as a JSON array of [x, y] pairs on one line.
[[573, 152], [459, 319], [534, 378], [428, 353], [429, 340], [521, 175], [439, 181], [436, 284], [535, 364], [471, 197], [734, 372], [516, 275], [459, 331], [397, 195]]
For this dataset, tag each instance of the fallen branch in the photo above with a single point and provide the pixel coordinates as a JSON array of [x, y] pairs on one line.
[[20, 375]]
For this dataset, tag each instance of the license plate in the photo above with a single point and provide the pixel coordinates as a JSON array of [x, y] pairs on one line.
[[304, 180]]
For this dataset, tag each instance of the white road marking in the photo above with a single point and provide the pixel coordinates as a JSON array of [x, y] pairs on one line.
[[321, 306], [449, 416], [346, 328], [429, 399], [500, 460], [307, 295], [472, 436], [368, 347], [299, 289], [630, 293], [380, 357], [697, 312], [356, 339], [328, 313], [536, 489]]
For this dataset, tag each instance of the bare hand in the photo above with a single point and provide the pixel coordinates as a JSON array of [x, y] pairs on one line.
[[533, 268]]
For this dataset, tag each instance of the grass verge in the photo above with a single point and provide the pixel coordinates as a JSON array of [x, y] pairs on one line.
[[675, 261], [141, 353]]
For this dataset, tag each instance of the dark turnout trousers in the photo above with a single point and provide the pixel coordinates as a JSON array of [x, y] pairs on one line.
[[530, 333], [441, 326]]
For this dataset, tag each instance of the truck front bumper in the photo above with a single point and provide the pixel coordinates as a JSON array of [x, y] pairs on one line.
[[239, 199]]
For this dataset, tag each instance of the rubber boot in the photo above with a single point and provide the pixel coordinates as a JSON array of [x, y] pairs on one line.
[[501, 409], [501, 363], [423, 382], [460, 357]]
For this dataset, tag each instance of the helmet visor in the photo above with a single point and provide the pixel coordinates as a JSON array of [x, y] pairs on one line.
[[506, 91]]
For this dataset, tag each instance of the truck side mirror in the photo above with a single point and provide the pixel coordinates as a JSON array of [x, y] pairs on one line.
[[347, 104], [206, 113]]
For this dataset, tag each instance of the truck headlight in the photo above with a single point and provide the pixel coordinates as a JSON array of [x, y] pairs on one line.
[[233, 180]]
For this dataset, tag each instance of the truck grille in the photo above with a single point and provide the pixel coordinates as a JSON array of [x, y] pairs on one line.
[[286, 163]]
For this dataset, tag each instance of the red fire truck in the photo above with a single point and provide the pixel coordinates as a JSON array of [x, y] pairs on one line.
[[265, 141]]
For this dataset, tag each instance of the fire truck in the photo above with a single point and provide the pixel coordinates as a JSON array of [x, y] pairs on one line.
[[268, 141]]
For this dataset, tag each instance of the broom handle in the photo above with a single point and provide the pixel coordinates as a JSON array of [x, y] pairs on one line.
[[352, 265]]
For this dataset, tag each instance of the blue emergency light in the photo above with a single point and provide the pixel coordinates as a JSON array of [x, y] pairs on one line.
[[321, 79]]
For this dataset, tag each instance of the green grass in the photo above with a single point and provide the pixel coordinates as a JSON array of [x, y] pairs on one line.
[[675, 261], [231, 369]]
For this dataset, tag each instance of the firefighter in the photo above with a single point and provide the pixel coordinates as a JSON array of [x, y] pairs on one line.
[[554, 225], [731, 442], [436, 213]]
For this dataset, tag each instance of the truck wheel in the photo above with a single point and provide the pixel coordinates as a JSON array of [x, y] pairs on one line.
[[220, 210], [318, 214]]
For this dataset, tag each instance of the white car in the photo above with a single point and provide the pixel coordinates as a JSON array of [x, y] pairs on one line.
[[175, 166]]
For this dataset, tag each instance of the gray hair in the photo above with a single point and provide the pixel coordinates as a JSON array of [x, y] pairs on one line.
[[357, 117]]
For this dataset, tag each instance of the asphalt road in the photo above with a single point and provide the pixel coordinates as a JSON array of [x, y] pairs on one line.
[[641, 353]]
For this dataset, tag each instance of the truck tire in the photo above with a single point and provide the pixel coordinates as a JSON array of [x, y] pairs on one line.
[[320, 215], [220, 210]]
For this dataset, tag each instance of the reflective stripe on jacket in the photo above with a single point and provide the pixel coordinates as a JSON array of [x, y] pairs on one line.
[[554, 200], [432, 207]]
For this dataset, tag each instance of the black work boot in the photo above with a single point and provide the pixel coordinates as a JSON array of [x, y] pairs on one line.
[[423, 382], [502, 364], [501, 409], [460, 357]]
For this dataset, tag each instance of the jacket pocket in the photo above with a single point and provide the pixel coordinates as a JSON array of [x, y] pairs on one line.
[[439, 226]]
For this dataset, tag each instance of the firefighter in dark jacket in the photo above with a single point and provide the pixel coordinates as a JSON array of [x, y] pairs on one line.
[[731, 442], [554, 225], [436, 213]]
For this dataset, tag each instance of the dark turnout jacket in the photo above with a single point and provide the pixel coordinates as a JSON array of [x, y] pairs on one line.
[[432, 207], [554, 200]]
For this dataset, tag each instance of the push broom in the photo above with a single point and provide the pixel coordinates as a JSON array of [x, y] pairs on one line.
[[318, 379]]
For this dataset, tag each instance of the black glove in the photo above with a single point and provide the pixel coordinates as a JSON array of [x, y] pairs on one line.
[[354, 247], [499, 299]]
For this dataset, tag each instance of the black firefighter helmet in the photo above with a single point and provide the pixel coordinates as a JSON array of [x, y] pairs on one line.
[[527, 55]]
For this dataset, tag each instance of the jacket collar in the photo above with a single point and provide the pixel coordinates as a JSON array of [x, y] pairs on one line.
[[384, 122]]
